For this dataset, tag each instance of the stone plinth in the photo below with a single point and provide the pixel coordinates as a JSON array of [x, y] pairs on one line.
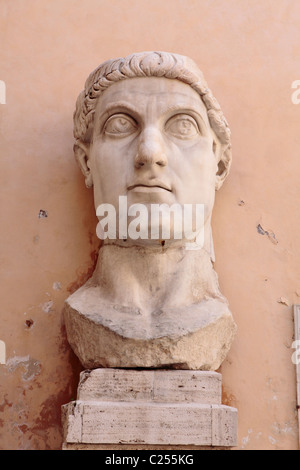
[[148, 408]]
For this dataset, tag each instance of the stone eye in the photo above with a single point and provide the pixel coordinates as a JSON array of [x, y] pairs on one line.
[[120, 125], [182, 126]]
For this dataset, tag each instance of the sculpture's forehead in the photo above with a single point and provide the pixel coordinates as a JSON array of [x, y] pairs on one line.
[[144, 92]]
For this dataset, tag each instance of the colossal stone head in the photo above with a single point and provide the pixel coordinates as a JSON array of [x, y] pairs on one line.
[[149, 130], [147, 127]]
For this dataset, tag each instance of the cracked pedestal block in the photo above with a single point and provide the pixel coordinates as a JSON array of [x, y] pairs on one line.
[[148, 409]]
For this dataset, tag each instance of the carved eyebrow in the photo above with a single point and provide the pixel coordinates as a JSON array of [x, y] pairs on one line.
[[181, 109], [119, 106], [124, 106]]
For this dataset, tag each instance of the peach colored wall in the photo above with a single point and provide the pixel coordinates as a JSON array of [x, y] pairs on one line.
[[249, 52]]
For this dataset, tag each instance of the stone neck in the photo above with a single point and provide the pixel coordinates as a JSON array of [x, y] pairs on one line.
[[151, 278]]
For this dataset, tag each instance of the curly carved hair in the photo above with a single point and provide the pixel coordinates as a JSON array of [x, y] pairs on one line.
[[150, 64]]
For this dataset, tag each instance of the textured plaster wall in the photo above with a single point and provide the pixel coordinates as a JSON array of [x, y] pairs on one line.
[[249, 52]]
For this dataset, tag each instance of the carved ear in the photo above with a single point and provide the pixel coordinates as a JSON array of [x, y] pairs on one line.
[[81, 152], [223, 157]]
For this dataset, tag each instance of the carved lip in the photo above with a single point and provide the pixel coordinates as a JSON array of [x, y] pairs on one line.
[[142, 187]]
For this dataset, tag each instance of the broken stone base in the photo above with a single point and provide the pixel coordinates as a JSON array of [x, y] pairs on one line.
[[148, 409], [197, 337]]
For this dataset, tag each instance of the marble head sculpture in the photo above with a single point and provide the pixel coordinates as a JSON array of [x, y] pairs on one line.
[[150, 135]]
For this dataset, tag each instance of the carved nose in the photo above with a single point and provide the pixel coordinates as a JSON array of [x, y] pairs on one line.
[[151, 149]]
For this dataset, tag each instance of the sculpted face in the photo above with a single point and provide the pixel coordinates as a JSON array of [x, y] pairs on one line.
[[152, 142]]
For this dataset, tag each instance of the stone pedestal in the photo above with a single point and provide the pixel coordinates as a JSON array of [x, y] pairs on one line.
[[148, 409]]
